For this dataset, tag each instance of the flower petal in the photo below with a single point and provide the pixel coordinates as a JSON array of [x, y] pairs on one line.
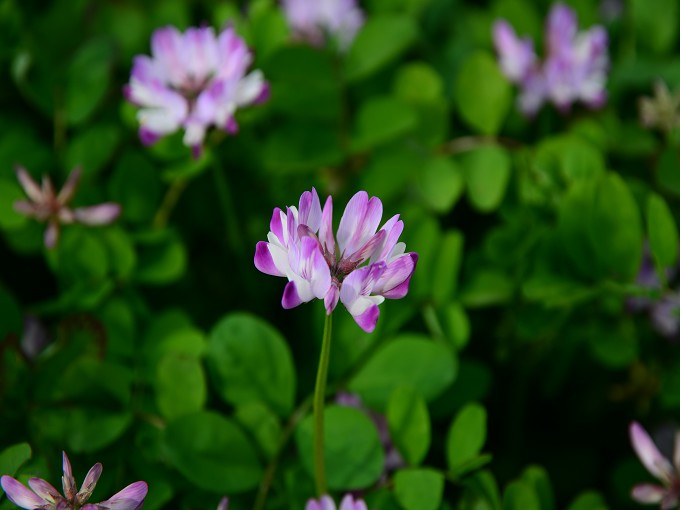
[[648, 493], [130, 498], [69, 188], [290, 299], [561, 28], [250, 88], [50, 239], [67, 480], [44, 490], [201, 53], [309, 211], [326, 229], [649, 454], [89, 483], [264, 261], [368, 319], [169, 50], [223, 504], [676, 452], [25, 207], [101, 214], [359, 223], [30, 187], [516, 55], [394, 282], [330, 301], [19, 494], [349, 503]]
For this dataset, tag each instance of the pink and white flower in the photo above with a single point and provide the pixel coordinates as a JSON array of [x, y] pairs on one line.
[[191, 81], [574, 69], [44, 496], [46, 205], [327, 503], [301, 247], [668, 494], [314, 20]]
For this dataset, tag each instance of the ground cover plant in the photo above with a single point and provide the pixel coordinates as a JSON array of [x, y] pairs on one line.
[[329, 254]]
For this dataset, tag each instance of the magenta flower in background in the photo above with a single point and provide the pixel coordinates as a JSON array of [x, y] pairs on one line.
[[574, 69], [668, 494], [314, 20], [301, 247], [44, 496], [326, 503], [191, 81], [46, 205]]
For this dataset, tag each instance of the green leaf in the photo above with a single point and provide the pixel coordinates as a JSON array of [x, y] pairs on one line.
[[519, 495], [486, 287], [301, 147], [482, 94], [12, 458], [180, 385], [263, 424], [656, 23], [81, 256], [88, 79], [303, 83], [381, 119], [662, 232], [487, 173], [441, 182], [10, 192], [93, 147], [482, 490], [417, 82], [11, 318], [135, 185], [389, 170], [466, 436], [419, 489], [538, 478], [213, 453], [447, 266], [250, 360], [588, 501], [668, 170], [616, 229], [162, 257], [409, 424], [456, 324], [409, 359], [89, 430], [381, 40], [353, 454]]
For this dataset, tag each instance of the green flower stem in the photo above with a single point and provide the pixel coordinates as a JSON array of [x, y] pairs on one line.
[[319, 399], [170, 200]]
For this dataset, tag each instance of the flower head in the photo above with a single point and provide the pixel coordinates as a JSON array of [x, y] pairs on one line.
[[662, 111], [44, 496], [326, 503], [301, 247], [574, 69], [193, 80], [46, 205], [313, 20], [668, 494]]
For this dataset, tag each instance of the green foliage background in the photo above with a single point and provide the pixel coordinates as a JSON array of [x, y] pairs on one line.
[[508, 375]]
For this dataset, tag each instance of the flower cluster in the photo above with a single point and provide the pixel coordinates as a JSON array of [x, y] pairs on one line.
[[314, 20], [193, 80], [661, 111], [574, 69], [46, 205], [302, 248], [667, 494], [327, 503], [44, 496]]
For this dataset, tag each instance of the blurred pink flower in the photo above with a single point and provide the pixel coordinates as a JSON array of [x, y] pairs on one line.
[[326, 503], [193, 80], [314, 20], [46, 205], [301, 247], [574, 69], [44, 496], [668, 494]]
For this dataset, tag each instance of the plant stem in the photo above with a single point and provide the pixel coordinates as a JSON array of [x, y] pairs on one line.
[[319, 399], [170, 200]]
